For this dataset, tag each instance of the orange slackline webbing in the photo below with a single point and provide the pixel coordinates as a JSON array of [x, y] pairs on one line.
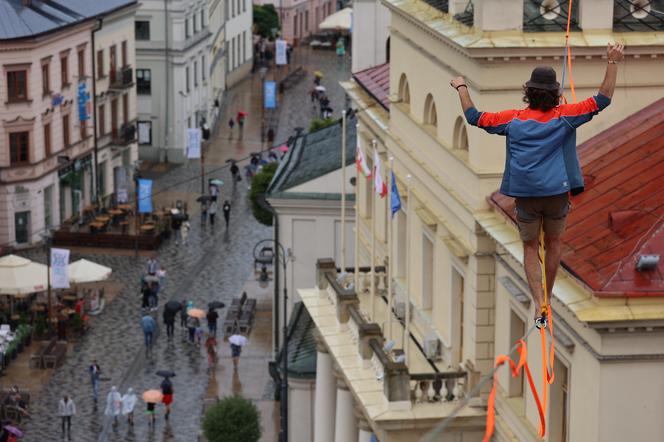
[[547, 371], [568, 54]]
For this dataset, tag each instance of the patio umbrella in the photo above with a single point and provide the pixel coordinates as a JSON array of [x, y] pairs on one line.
[[196, 313], [238, 340], [217, 182], [173, 306], [216, 304], [20, 276], [339, 21], [165, 373], [283, 148], [203, 198], [152, 396], [13, 430], [83, 271]]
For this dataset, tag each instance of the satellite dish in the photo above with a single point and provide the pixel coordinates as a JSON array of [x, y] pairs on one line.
[[550, 9]]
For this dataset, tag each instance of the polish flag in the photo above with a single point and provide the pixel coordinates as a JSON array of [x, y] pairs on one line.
[[379, 184], [361, 162]]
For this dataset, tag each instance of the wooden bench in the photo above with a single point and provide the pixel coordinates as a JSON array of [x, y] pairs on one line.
[[37, 358], [240, 315], [56, 356]]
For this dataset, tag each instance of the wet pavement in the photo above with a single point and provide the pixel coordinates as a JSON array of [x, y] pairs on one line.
[[214, 265]]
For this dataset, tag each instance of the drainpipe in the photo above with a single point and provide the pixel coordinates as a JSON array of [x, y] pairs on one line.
[[168, 90], [94, 109], [262, 201]]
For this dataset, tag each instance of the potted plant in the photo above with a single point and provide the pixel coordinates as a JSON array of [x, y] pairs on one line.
[[233, 419]]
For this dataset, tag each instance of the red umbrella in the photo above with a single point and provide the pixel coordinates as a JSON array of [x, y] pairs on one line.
[[242, 114], [283, 148]]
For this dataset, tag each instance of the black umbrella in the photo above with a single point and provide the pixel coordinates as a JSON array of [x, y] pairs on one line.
[[203, 198], [173, 306], [165, 373], [216, 304]]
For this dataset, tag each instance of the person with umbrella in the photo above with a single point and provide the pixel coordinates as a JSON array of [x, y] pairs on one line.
[[66, 409], [213, 190], [151, 398], [241, 115], [113, 404], [211, 349], [11, 433], [231, 124], [176, 224], [128, 403], [237, 341], [212, 211], [167, 391], [186, 305], [170, 310], [149, 326], [192, 324], [212, 317], [227, 211], [234, 172]]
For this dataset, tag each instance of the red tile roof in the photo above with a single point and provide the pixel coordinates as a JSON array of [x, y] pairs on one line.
[[376, 82], [619, 216]]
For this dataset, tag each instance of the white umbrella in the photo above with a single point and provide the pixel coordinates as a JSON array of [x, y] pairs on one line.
[[20, 276], [83, 271], [340, 20], [238, 340], [320, 88]]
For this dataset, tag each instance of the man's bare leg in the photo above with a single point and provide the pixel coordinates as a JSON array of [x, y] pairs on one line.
[[552, 261], [533, 273]]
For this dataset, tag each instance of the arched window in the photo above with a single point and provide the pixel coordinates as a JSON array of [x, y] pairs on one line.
[[404, 90], [460, 135], [430, 116]]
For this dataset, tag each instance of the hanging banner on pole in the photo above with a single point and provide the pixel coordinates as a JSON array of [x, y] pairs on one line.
[[59, 268], [270, 92], [144, 196], [193, 143], [280, 48]]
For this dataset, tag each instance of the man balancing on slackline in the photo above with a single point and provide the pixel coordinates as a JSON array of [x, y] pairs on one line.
[[542, 166]]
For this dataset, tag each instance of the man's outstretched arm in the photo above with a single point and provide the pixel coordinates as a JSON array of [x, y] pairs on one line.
[[494, 123], [460, 85], [615, 54]]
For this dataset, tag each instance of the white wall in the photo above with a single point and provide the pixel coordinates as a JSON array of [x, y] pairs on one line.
[[370, 33]]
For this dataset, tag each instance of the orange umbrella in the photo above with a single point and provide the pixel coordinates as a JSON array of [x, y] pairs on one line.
[[153, 396], [196, 313]]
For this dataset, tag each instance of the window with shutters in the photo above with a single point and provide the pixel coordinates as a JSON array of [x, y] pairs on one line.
[[19, 148], [17, 86]]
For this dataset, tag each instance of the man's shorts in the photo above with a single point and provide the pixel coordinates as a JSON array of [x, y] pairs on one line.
[[532, 211]]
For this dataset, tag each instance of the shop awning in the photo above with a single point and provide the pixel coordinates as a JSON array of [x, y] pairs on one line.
[[340, 20]]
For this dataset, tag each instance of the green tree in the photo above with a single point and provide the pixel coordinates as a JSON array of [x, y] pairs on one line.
[[233, 419], [259, 186], [265, 20], [318, 124]]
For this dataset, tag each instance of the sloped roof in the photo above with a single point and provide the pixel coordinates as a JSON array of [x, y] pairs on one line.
[[376, 82], [18, 21], [301, 344], [620, 216], [313, 155]]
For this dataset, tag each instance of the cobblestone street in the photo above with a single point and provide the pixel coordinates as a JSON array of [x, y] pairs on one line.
[[214, 265]]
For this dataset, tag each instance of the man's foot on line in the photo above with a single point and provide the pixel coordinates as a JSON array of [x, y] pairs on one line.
[[541, 322]]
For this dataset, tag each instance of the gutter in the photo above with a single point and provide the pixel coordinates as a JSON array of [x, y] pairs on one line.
[[262, 201], [100, 22]]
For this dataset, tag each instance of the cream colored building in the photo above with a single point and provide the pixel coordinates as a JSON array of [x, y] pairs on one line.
[[217, 57], [458, 262]]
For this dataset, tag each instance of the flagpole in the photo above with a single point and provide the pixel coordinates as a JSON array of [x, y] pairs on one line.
[[373, 236], [409, 201], [390, 186], [357, 216], [343, 191]]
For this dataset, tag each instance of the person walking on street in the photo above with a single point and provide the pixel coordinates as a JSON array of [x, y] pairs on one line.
[[152, 265], [542, 165], [213, 212], [231, 124], [167, 391], [211, 349], [227, 212], [186, 227], [192, 325], [234, 171], [204, 213], [237, 341], [212, 317], [66, 409], [169, 321], [161, 274], [94, 371], [128, 403], [149, 326], [240, 123], [183, 313], [113, 404], [176, 225], [213, 190]]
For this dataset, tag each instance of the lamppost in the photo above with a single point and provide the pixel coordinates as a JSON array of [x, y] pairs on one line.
[[262, 71], [284, 257], [47, 237], [137, 177]]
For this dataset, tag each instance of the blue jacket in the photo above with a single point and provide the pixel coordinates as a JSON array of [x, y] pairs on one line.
[[148, 324], [541, 155]]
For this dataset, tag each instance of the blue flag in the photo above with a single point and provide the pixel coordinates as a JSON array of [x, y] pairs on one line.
[[395, 204], [144, 196]]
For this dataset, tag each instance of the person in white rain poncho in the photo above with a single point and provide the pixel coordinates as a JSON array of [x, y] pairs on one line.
[[128, 404], [113, 404]]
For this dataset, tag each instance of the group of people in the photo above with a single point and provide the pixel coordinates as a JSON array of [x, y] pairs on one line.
[[239, 119], [319, 96]]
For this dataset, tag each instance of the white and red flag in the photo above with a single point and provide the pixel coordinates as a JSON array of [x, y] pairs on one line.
[[379, 184], [361, 162]]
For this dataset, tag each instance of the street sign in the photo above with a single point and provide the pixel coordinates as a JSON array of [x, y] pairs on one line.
[[270, 92], [281, 47], [193, 143], [144, 196]]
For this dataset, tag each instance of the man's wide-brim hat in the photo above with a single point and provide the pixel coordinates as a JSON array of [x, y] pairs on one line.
[[543, 77]]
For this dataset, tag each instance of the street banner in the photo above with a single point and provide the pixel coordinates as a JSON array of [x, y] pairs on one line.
[[270, 92], [281, 58], [144, 196], [59, 268], [193, 143], [83, 99]]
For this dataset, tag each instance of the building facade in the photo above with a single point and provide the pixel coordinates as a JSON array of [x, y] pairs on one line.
[[300, 18], [217, 56], [453, 310], [47, 161], [173, 41], [370, 21], [239, 40]]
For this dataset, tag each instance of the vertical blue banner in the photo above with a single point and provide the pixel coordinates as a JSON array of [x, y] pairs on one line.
[[83, 98], [144, 196], [270, 92]]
